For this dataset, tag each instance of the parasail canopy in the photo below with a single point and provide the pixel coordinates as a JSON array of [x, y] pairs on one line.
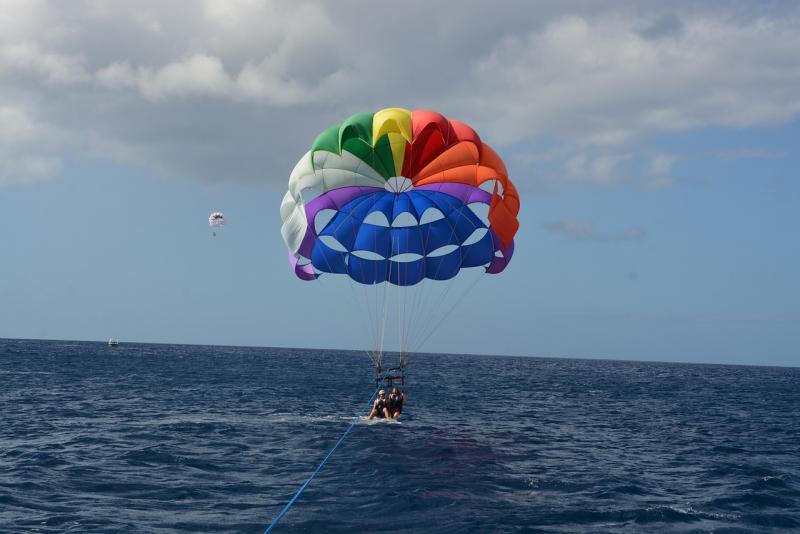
[[399, 196], [216, 219]]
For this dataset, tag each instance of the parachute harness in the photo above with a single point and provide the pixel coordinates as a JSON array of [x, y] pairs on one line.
[[391, 375], [319, 468]]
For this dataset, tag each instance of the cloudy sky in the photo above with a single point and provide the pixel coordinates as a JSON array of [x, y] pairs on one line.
[[654, 145]]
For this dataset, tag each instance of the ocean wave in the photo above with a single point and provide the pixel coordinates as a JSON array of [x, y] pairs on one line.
[[165, 438]]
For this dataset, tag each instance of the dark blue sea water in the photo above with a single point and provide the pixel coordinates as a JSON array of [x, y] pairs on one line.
[[166, 438]]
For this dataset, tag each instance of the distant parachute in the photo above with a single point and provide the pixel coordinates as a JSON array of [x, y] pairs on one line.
[[217, 219]]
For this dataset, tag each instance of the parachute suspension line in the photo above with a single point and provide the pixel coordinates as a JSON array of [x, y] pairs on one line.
[[456, 303], [433, 310], [415, 312], [375, 332], [404, 326], [376, 313], [374, 355], [418, 298], [385, 313], [432, 314], [371, 333], [418, 310], [372, 310], [468, 290], [377, 294], [438, 319], [399, 321], [330, 292], [409, 312], [318, 469], [370, 356], [373, 324], [380, 316], [430, 326]]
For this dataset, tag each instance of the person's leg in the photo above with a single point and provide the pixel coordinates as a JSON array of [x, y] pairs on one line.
[[372, 414], [386, 413]]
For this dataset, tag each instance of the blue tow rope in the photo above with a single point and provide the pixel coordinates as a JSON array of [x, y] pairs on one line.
[[317, 470]]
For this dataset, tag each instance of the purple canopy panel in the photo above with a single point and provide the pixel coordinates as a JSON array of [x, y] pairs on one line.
[[498, 264], [464, 192], [304, 272]]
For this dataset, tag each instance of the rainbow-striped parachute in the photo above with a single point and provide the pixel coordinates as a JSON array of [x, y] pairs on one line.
[[399, 196]]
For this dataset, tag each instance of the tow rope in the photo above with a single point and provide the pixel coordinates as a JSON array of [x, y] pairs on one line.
[[319, 467]]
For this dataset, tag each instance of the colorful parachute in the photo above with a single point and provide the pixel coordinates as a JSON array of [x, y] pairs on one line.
[[396, 196]]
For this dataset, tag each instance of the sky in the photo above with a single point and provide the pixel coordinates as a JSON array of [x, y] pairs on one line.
[[654, 146]]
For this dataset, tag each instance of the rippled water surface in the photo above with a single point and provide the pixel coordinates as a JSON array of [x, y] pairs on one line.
[[164, 438]]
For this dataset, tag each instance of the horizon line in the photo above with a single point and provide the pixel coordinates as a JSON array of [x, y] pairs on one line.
[[356, 350]]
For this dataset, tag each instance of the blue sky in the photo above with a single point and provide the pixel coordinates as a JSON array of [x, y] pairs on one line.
[[655, 152]]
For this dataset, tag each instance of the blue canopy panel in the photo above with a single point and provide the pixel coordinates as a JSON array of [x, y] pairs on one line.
[[345, 224], [407, 240], [368, 271], [478, 253], [419, 203], [464, 222], [377, 239], [402, 204], [325, 259], [377, 244], [384, 204], [406, 273], [438, 234], [443, 267], [359, 207]]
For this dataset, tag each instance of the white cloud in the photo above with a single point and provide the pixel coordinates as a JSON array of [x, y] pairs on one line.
[[605, 168], [238, 88], [117, 75], [199, 74], [661, 164], [21, 145], [600, 80], [21, 169], [602, 169], [16, 126], [52, 67], [233, 14], [576, 166]]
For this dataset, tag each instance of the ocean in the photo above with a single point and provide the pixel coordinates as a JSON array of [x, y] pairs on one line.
[[181, 438]]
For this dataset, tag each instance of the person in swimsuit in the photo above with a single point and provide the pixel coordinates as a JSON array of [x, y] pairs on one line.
[[380, 408], [396, 400]]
